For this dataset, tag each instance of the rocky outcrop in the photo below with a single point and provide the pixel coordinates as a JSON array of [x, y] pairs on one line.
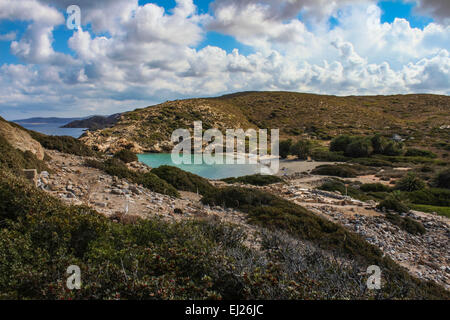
[[150, 129], [20, 139], [111, 144]]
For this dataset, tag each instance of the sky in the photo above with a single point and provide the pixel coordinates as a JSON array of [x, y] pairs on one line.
[[129, 54]]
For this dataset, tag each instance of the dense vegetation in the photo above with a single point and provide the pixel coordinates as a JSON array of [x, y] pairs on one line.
[[62, 144], [126, 156], [151, 259], [274, 213], [416, 118], [443, 179], [363, 147], [149, 180], [16, 160], [184, 181], [406, 223], [256, 180], [343, 171]]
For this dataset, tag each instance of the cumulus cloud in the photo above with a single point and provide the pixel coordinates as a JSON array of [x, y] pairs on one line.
[[29, 10], [135, 55]]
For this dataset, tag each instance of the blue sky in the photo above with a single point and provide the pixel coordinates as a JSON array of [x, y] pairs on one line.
[[132, 53]]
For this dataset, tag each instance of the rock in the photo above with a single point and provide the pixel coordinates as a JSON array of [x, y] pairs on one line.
[[45, 174], [117, 192], [135, 190], [31, 175]]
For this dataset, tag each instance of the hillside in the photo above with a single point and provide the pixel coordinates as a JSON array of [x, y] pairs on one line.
[[20, 139], [229, 242], [95, 122], [422, 119]]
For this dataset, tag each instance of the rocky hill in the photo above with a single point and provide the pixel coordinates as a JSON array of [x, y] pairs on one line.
[[95, 122], [422, 119], [20, 139]]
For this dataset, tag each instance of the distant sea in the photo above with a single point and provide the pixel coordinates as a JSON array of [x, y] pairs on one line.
[[51, 127]]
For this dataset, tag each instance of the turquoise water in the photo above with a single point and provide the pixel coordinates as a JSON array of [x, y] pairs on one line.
[[215, 171]]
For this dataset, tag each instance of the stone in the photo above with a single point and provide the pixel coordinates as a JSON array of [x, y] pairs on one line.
[[117, 192], [32, 176]]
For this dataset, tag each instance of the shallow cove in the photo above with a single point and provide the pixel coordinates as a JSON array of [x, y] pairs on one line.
[[215, 171]]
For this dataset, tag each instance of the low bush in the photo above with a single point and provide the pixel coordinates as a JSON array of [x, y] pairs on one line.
[[443, 179], [116, 167], [340, 143], [321, 155], [430, 196], [342, 171], [63, 144], [276, 214], [375, 187], [301, 149], [363, 146], [394, 205], [359, 148], [412, 152], [284, 148], [256, 180], [372, 162], [396, 201], [406, 223], [410, 182], [183, 180], [126, 156], [16, 160]]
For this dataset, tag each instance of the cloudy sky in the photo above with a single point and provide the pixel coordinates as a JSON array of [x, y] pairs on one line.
[[130, 53]]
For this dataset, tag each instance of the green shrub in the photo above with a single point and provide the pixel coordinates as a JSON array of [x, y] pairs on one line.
[[359, 148], [16, 160], [406, 223], [196, 259], [116, 167], [320, 155], [372, 162], [275, 213], [410, 182], [256, 180], [63, 144], [301, 149], [340, 143], [430, 196], [412, 152], [375, 187], [126, 156], [443, 179], [396, 201], [284, 148], [394, 205], [342, 171], [379, 144], [393, 149], [183, 180]]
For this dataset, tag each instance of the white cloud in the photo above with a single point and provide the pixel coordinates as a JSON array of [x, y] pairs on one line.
[[29, 10], [8, 36], [149, 55]]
